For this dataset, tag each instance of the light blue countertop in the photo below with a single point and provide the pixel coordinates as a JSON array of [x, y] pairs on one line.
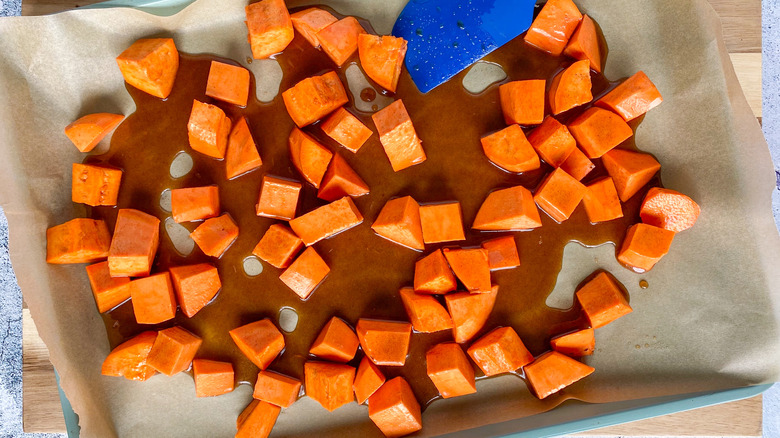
[[11, 296]]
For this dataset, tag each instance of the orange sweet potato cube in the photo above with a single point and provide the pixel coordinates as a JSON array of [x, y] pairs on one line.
[[341, 180], [442, 222], [241, 155], [552, 141], [502, 253], [398, 137], [308, 156], [270, 28], [598, 131], [135, 242], [130, 358], [214, 236], [208, 129], [305, 273], [575, 344], [553, 371], [326, 221], [630, 171], [194, 203], [367, 380], [632, 98], [508, 209], [469, 312], [602, 301], [471, 267], [584, 44], [571, 87], [577, 165], [394, 409], [87, 131], [384, 342], [228, 83], [276, 388], [278, 246], [382, 58], [601, 201], [500, 351], [260, 341], [108, 291], [336, 342], [644, 245], [522, 102], [153, 299], [669, 209], [510, 150], [314, 98], [329, 384], [553, 26], [425, 312], [212, 378], [310, 21], [195, 286], [257, 420], [173, 350], [450, 370], [339, 40], [432, 274], [346, 129], [559, 194], [77, 241], [150, 65], [399, 222], [278, 198], [95, 185]]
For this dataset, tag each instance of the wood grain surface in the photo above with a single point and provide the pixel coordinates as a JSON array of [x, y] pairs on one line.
[[742, 32]]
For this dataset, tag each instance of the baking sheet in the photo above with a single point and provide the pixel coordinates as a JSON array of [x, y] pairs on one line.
[[708, 320]]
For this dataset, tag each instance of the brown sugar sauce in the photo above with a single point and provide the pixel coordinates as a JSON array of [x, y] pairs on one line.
[[366, 270]]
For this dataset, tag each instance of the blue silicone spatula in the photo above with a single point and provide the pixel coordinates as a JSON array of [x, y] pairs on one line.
[[446, 36]]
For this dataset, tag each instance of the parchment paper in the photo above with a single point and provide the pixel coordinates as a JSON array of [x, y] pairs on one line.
[[708, 321]]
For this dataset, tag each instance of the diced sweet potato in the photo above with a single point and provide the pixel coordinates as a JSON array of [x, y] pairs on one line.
[[308, 156], [257, 420], [394, 409], [173, 350], [450, 370], [228, 83], [278, 246], [367, 380], [270, 28], [208, 129], [442, 222], [150, 65], [399, 222], [522, 102], [469, 312], [214, 236], [425, 312], [669, 210], [260, 341], [644, 245], [384, 342], [241, 155], [577, 165], [278, 198], [630, 171], [336, 342], [329, 384], [310, 21], [129, 359], [559, 195], [500, 351], [77, 241], [314, 98], [510, 150], [340, 181], [602, 300], [553, 371], [195, 286], [598, 131], [135, 242], [382, 58], [108, 291], [305, 273], [553, 26], [432, 274], [571, 87], [398, 137], [87, 131], [153, 299], [632, 98], [194, 203], [212, 378], [552, 141], [508, 209], [584, 44], [601, 201], [471, 267], [326, 221], [276, 389], [502, 253], [346, 129], [339, 40], [575, 344]]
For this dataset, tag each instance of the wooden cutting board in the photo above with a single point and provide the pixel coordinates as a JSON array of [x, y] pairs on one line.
[[742, 32]]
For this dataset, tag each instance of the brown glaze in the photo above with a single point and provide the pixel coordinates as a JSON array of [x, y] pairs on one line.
[[366, 271]]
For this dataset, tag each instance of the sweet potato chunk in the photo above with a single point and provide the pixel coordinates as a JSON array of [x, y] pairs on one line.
[[310, 21], [228, 83], [630, 171], [384, 342], [399, 222], [552, 141], [500, 351], [469, 312], [329, 384], [340, 181], [602, 300], [108, 291], [571, 87], [502, 253], [669, 210], [212, 378], [553, 371], [425, 312], [508, 209], [367, 380], [382, 58], [77, 241], [394, 409], [522, 102], [471, 267], [644, 245], [584, 44], [214, 236], [598, 131], [194, 203], [195, 286], [305, 273], [552, 28], [601, 201], [130, 358], [432, 274], [173, 350], [153, 299], [346, 129], [208, 129], [276, 388], [577, 165], [257, 420], [260, 341], [87, 131], [270, 28], [336, 342], [309, 156], [510, 150], [278, 246], [442, 222], [278, 198], [398, 137], [634, 97], [450, 370], [314, 98], [135, 242], [241, 155], [326, 221], [559, 195], [150, 65], [575, 344], [339, 40]]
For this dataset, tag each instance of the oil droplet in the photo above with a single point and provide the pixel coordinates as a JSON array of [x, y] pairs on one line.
[[461, 25], [455, 44], [418, 32], [637, 346], [248, 59], [416, 68], [647, 345], [374, 107], [643, 284], [368, 95]]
